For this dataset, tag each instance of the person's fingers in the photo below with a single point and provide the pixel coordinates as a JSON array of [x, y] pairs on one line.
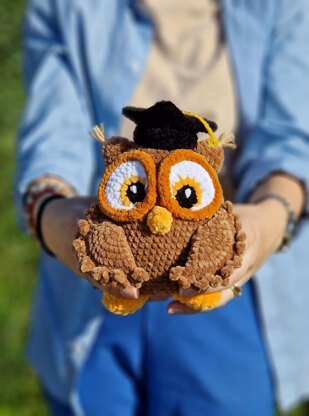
[[177, 308], [228, 294], [129, 292], [188, 292]]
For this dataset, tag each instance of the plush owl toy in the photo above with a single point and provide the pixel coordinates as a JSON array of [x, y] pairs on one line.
[[161, 223]]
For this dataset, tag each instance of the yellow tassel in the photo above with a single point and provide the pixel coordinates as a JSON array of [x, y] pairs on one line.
[[97, 133], [213, 141]]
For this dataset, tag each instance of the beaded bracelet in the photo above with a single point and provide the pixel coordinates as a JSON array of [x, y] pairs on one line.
[[41, 191]]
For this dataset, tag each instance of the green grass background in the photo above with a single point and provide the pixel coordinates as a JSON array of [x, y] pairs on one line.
[[19, 390]]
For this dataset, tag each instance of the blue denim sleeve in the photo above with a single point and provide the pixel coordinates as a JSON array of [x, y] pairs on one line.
[[53, 136], [280, 141]]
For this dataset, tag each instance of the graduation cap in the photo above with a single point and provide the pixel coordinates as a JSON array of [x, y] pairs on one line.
[[164, 126]]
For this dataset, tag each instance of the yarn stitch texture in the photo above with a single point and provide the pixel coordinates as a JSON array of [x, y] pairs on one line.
[[160, 224]]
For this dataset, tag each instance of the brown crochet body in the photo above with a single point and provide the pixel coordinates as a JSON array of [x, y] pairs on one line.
[[153, 253], [195, 254]]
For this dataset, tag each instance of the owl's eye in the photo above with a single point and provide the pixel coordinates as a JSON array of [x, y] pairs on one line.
[[191, 185], [126, 185], [128, 188], [134, 190], [188, 185], [186, 195]]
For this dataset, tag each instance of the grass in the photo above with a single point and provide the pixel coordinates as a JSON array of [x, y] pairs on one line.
[[19, 390]]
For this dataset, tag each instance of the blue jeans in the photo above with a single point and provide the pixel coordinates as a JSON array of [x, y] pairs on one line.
[[56, 407], [211, 364]]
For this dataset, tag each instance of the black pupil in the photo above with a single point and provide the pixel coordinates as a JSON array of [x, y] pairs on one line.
[[136, 192], [186, 196]]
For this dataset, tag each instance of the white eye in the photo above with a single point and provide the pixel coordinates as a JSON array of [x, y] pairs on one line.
[[191, 185], [127, 185]]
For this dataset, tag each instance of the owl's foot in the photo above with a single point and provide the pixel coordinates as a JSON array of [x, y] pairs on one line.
[[123, 306], [139, 276], [187, 276], [201, 303]]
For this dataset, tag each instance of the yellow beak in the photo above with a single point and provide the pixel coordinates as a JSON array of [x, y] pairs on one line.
[[159, 220]]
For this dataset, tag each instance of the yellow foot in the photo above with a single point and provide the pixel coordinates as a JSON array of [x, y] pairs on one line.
[[123, 306], [202, 303]]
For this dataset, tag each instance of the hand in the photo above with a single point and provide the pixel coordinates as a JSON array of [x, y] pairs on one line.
[[264, 225], [59, 228]]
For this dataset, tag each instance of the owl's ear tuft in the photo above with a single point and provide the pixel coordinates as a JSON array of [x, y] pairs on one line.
[[228, 140], [213, 155], [115, 147], [97, 133]]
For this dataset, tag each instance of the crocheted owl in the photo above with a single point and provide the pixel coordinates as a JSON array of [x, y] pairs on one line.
[[161, 223]]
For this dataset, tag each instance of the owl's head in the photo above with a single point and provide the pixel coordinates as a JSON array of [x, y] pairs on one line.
[[165, 172]]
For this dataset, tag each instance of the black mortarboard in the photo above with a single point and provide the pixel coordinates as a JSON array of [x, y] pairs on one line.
[[164, 126]]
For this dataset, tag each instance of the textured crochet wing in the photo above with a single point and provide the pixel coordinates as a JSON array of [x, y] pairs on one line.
[[216, 250], [103, 252]]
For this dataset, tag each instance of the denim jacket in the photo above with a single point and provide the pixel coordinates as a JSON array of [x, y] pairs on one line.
[[82, 61]]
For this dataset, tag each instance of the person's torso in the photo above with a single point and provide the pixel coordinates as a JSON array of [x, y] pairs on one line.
[[106, 48]]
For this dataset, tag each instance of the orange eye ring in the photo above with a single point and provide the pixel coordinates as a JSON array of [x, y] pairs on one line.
[[166, 187], [127, 211]]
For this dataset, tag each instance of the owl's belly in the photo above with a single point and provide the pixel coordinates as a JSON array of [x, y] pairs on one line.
[[158, 253]]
